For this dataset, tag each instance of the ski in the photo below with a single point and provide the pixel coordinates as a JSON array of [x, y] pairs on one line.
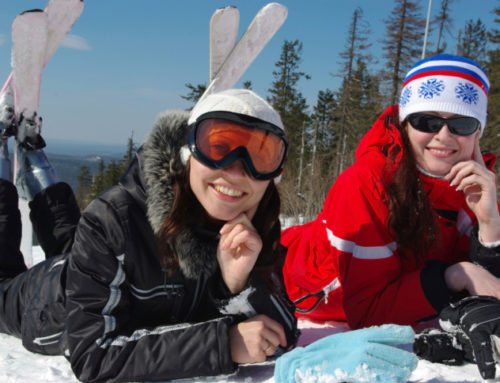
[[61, 15], [262, 28], [29, 42], [36, 35], [6, 130], [223, 34]]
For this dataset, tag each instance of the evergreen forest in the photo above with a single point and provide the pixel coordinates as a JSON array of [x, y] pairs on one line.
[[323, 136]]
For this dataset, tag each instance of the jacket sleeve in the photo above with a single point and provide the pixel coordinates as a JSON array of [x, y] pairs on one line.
[[54, 213], [103, 344], [377, 288], [11, 258], [264, 298], [275, 304], [488, 257]]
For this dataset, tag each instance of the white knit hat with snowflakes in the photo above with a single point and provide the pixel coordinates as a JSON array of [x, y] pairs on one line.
[[446, 83]]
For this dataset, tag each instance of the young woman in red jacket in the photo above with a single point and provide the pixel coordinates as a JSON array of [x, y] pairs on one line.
[[413, 224]]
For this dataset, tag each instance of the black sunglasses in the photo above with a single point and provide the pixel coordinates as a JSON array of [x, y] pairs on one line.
[[428, 123]]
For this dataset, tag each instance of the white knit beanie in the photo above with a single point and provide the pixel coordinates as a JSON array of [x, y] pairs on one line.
[[446, 83], [241, 101]]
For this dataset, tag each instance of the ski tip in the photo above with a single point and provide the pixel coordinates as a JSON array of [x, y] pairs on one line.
[[229, 10], [226, 7], [31, 11], [277, 7]]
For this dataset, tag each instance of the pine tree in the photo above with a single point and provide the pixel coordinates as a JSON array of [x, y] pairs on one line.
[[291, 105], [444, 22], [106, 176], [247, 85], [84, 186], [402, 45], [363, 105], [322, 141], [112, 174], [366, 103], [129, 154], [325, 119], [288, 100], [355, 47], [491, 136], [98, 184], [195, 92], [115, 169], [472, 42]]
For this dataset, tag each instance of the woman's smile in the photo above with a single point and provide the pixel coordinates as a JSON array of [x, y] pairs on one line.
[[441, 152], [227, 191]]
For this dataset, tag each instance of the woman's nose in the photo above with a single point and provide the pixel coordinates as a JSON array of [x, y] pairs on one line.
[[444, 131], [235, 169]]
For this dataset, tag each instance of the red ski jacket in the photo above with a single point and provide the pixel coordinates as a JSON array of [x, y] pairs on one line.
[[345, 265]]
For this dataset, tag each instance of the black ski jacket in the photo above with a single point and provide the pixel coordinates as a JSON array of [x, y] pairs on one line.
[[130, 320]]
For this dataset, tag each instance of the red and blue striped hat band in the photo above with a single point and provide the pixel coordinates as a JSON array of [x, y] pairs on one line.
[[446, 83]]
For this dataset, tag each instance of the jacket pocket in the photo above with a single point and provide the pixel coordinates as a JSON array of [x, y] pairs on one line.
[[43, 320], [42, 328]]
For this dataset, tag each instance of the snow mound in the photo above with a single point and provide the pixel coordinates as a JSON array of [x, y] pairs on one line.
[[17, 365]]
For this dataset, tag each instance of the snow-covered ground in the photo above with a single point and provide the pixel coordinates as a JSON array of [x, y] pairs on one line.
[[18, 365]]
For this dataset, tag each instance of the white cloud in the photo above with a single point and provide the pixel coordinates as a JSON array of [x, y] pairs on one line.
[[76, 42]]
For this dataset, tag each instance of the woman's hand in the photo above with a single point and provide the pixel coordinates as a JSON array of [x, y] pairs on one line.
[[239, 247], [479, 187], [255, 339], [473, 278]]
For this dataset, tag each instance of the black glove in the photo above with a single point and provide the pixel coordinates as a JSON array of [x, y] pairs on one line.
[[438, 346], [477, 319]]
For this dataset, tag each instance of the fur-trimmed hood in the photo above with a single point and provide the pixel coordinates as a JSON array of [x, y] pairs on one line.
[[159, 161], [162, 162]]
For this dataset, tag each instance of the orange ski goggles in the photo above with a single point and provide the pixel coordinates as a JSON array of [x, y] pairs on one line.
[[218, 139]]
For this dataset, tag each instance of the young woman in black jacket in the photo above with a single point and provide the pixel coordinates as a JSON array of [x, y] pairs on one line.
[[176, 271]]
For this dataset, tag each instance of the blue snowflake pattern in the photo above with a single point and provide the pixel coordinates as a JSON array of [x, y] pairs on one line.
[[431, 88], [405, 96], [467, 93]]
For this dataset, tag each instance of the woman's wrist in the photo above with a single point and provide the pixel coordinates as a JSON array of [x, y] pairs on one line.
[[236, 286], [489, 232]]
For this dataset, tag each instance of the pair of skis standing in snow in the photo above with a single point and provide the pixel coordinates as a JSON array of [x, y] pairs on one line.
[[36, 35]]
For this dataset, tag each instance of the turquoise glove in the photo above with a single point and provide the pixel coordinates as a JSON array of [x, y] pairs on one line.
[[356, 356]]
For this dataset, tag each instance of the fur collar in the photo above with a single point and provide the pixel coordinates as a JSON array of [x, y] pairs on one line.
[[162, 163], [195, 247]]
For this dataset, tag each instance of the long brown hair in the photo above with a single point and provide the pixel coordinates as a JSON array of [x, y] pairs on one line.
[[186, 209], [411, 219]]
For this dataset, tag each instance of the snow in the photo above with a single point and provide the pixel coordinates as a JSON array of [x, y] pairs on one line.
[[18, 365]]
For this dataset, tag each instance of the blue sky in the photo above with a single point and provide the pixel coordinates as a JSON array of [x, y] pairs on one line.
[[126, 61]]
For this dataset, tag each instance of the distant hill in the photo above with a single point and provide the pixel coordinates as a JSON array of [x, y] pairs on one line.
[[75, 148], [67, 157], [68, 166]]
